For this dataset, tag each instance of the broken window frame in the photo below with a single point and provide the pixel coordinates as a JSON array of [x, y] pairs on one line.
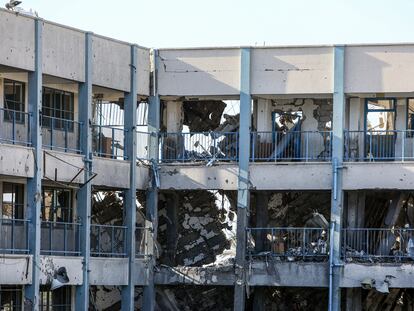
[[14, 106], [58, 108], [370, 143], [16, 191], [66, 210]]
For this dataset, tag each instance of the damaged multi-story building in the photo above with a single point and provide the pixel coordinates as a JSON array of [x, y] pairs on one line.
[[241, 178]]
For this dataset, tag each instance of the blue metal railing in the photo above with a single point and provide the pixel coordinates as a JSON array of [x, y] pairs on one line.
[[291, 146], [61, 134], [109, 142], [60, 238], [108, 240], [14, 236], [204, 146], [289, 243], [386, 145], [15, 127], [377, 244]]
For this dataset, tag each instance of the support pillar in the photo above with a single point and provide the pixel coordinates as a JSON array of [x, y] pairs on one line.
[[337, 191], [85, 192], [34, 185], [174, 123], [264, 119], [243, 192], [152, 193], [401, 125], [130, 112]]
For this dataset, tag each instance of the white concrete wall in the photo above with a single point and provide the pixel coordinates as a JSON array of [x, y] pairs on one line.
[[199, 72], [16, 161], [17, 40], [299, 70], [111, 173], [63, 52], [143, 71], [111, 60], [50, 264], [199, 177], [108, 271], [62, 165], [16, 269], [380, 68]]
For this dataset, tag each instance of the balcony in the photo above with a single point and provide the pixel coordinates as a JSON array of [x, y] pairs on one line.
[[14, 236], [108, 142], [108, 240], [198, 147], [60, 238], [287, 146], [288, 244], [14, 127], [378, 245], [370, 146]]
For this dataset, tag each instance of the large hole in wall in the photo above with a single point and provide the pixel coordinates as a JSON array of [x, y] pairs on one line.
[[196, 227]]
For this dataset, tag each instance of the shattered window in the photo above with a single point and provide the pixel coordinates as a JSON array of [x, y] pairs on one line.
[[12, 201], [14, 100], [380, 115], [57, 205], [285, 121]]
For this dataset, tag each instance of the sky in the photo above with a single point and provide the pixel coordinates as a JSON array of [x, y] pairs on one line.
[[195, 23]]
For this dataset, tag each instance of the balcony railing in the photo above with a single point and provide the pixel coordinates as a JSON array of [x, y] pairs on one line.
[[289, 243], [14, 236], [379, 145], [14, 127], [61, 134], [60, 238], [109, 142], [108, 240], [205, 146], [376, 245], [291, 146]]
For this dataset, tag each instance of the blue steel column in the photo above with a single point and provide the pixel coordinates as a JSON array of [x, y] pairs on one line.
[[337, 192], [152, 193], [243, 192], [34, 185], [84, 194], [128, 292]]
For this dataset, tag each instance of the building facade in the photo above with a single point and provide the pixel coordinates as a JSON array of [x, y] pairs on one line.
[[127, 174]]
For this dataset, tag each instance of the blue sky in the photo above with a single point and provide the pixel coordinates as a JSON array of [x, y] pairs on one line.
[[185, 23]]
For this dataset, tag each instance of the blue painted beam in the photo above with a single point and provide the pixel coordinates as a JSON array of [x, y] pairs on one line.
[[243, 192], [85, 193], [152, 193], [130, 109], [34, 185], [337, 191]]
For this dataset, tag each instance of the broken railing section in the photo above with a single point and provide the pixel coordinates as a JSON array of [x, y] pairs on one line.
[[108, 142], [289, 243], [190, 147], [291, 146], [379, 145], [378, 244]]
